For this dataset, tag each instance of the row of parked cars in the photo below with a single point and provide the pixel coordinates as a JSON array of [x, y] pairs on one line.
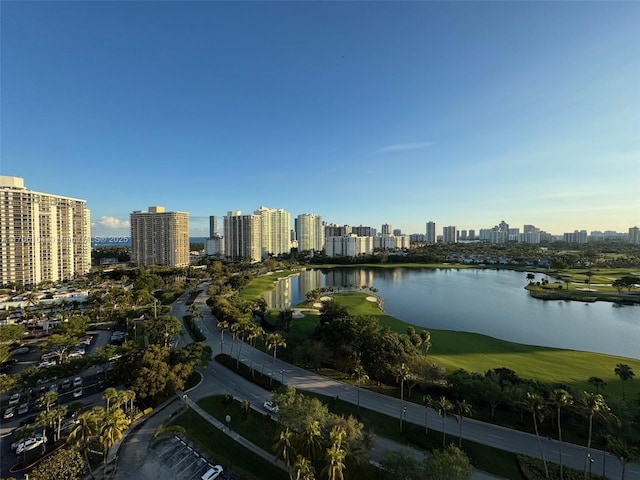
[[49, 359]]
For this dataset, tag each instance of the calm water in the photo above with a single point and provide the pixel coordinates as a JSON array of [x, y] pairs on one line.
[[491, 302]]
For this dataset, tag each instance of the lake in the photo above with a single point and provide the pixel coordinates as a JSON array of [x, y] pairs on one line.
[[487, 301]]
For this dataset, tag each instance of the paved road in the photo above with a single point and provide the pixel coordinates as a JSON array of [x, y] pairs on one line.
[[218, 379]]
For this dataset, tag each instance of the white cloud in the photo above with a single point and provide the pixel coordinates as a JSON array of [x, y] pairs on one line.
[[403, 147], [113, 223]]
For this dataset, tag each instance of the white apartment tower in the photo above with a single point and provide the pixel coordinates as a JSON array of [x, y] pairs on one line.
[[276, 231], [634, 235], [431, 232], [242, 236], [159, 238], [310, 232], [449, 234], [44, 236]]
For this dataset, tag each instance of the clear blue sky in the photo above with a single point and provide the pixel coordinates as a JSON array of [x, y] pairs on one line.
[[365, 113]]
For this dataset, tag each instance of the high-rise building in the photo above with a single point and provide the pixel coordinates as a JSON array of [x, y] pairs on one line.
[[634, 235], [386, 229], [159, 237], [449, 234], [213, 226], [431, 232], [310, 232], [363, 231], [44, 236], [276, 231], [242, 236]]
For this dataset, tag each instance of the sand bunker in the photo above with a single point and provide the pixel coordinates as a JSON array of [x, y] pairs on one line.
[[325, 299], [317, 305], [372, 299]]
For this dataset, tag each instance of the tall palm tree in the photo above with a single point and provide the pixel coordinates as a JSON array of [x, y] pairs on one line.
[[273, 341], [60, 411], [624, 452], [85, 430], [443, 407], [593, 404], [625, 372], [114, 424], [310, 439], [254, 331], [428, 403], [597, 382], [560, 399], [302, 469], [47, 400], [425, 336], [110, 395], [536, 405], [283, 448], [402, 375], [335, 468], [464, 409], [360, 375], [223, 326]]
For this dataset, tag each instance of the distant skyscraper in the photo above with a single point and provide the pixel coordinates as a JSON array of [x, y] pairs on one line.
[[213, 225], [310, 232], [386, 229], [44, 236], [243, 236], [634, 235], [159, 237], [397, 232], [431, 232], [276, 228], [449, 234]]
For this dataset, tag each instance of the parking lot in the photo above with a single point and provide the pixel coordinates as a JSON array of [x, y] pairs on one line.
[[175, 460]]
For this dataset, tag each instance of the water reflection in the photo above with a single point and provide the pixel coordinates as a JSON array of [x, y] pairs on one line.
[[491, 302]]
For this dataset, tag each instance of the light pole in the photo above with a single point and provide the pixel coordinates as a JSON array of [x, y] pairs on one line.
[[282, 377], [590, 463]]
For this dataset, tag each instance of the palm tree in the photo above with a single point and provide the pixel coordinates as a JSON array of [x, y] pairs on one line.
[[109, 395], [560, 399], [625, 372], [253, 331], [222, 325], [310, 439], [593, 404], [284, 448], [443, 406], [622, 450], [114, 424], [464, 409], [47, 400], [87, 428], [425, 336], [273, 341], [335, 456], [402, 374], [597, 382], [302, 469], [60, 411], [428, 403], [360, 374], [536, 405]]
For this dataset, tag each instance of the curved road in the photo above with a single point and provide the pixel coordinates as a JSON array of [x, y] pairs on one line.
[[218, 379]]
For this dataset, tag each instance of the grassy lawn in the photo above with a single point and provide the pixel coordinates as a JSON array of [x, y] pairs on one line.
[[479, 353], [263, 283], [226, 451]]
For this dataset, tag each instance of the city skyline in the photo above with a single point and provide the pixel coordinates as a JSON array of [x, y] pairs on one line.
[[464, 114]]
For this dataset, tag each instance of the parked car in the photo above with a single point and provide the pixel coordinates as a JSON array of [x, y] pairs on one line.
[[17, 443], [53, 387], [212, 473], [30, 444], [66, 385], [24, 408], [9, 413], [270, 406], [77, 392], [77, 382], [15, 398]]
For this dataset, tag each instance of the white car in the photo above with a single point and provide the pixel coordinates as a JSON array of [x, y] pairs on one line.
[[77, 393], [270, 406], [29, 444], [15, 398], [212, 473], [17, 443], [9, 412], [77, 382], [24, 408]]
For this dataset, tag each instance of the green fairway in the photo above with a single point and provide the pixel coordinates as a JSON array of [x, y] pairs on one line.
[[263, 283], [479, 353]]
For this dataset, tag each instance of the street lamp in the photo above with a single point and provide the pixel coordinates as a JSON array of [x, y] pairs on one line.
[[282, 377], [590, 463]]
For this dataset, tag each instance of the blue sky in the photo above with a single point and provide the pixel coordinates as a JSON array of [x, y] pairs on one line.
[[365, 113]]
